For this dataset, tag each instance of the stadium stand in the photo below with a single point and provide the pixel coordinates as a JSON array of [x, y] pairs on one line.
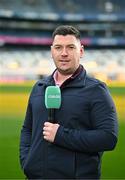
[[63, 7], [25, 65], [28, 25], [31, 22]]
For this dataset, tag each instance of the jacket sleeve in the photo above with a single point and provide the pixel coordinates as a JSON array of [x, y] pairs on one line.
[[25, 138], [103, 134]]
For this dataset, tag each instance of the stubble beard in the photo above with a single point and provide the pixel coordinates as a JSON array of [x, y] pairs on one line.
[[67, 71]]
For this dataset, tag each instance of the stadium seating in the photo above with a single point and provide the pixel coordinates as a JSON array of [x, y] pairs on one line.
[[31, 22], [62, 7], [32, 64]]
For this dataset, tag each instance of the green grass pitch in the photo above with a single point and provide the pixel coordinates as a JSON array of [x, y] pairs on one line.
[[13, 102]]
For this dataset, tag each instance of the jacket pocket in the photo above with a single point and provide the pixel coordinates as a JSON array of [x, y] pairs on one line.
[[33, 166], [87, 165], [61, 163]]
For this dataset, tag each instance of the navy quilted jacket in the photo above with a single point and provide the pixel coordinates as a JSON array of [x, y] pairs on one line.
[[88, 127]]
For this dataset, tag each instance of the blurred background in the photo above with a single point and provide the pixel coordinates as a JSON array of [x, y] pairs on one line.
[[26, 27]]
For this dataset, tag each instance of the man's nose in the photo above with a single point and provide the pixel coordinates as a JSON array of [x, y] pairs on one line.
[[64, 52]]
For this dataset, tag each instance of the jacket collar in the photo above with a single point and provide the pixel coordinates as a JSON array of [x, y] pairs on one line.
[[77, 80]]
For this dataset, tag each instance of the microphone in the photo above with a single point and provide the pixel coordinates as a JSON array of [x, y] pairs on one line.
[[52, 100]]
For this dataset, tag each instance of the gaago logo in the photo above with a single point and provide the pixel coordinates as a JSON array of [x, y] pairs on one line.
[[53, 96]]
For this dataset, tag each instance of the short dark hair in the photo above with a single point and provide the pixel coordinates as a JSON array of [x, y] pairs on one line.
[[66, 30]]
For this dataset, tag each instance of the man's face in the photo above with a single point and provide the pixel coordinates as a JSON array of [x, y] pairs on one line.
[[66, 52]]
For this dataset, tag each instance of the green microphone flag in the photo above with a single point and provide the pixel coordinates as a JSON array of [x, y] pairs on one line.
[[53, 97]]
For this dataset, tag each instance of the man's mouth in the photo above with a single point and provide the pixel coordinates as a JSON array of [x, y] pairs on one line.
[[65, 61]]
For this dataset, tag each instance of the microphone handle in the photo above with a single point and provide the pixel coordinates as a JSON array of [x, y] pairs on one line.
[[51, 117]]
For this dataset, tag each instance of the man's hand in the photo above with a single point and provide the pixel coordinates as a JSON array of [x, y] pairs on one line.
[[49, 131]]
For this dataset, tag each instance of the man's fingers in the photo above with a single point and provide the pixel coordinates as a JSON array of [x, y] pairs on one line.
[[46, 133], [49, 131], [47, 124], [47, 128]]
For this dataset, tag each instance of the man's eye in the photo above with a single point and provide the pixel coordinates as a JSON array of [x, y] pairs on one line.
[[57, 47], [71, 47]]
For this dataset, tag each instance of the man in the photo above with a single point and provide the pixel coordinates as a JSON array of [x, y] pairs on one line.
[[84, 127]]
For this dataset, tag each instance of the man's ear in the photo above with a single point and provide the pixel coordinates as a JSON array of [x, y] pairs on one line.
[[51, 50], [81, 51]]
